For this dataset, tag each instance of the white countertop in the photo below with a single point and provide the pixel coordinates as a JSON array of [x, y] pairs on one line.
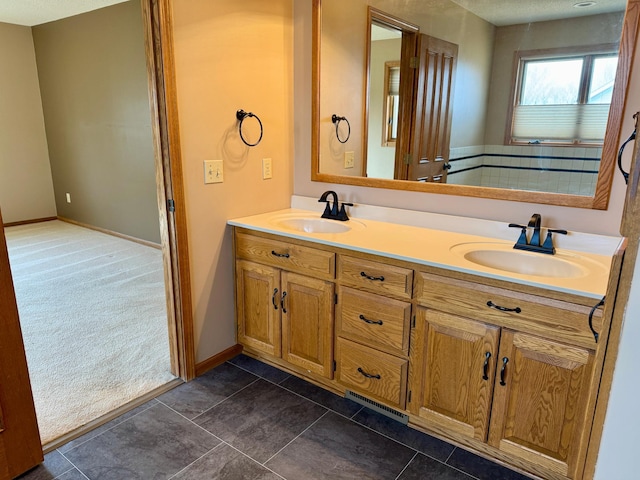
[[445, 249]]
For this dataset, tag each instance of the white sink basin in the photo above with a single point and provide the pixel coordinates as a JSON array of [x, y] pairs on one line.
[[503, 257], [316, 224]]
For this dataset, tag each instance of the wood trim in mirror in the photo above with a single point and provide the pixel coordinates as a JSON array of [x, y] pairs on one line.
[[315, 89], [627, 50], [407, 76], [600, 199]]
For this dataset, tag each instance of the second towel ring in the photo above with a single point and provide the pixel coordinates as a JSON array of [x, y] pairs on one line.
[[241, 115], [336, 119]]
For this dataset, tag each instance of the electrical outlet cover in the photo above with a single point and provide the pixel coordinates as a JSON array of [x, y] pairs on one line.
[[267, 171]]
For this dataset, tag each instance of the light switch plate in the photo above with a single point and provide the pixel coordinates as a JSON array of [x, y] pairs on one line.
[[348, 159], [266, 169], [213, 172]]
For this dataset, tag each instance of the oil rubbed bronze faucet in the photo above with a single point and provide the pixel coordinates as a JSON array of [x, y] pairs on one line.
[[335, 212], [533, 244]]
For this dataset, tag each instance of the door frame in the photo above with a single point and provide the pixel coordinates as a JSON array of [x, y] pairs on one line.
[[20, 447], [158, 23]]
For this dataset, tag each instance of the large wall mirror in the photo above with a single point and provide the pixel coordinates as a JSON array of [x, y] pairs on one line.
[[497, 99]]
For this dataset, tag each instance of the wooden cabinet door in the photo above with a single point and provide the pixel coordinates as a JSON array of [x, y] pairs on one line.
[[258, 307], [452, 370], [307, 323], [20, 447], [539, 402]]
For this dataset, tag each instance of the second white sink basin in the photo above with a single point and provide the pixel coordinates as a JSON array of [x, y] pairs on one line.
[[503, 257], [316, 224]]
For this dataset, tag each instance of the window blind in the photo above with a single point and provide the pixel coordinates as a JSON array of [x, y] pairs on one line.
[[394, 81], [560, 122]]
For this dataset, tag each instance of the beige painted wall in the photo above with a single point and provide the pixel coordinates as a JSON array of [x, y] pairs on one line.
[[26, 188], [93, 80], [230, 55], [593, 221], [344, 29], [343, 54], [593, 30]]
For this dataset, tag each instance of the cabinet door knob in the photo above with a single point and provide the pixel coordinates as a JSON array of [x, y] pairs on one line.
[[284, 295], [281, 255], [503, 370], [368, 375], [273, 299], [485, 367]]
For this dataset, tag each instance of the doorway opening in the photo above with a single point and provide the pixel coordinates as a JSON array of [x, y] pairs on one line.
[[171, 256]]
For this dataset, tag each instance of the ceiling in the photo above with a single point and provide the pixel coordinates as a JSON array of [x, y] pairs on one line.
[[512, 12], [35, 12], [497, 12]]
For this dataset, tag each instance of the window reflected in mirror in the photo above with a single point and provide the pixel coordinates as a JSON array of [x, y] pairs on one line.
[[563, 98], [391, 103]]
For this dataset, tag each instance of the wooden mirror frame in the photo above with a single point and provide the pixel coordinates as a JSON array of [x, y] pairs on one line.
[[599, 200]]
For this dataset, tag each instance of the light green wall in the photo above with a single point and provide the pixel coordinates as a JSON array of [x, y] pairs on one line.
[[92, 73]]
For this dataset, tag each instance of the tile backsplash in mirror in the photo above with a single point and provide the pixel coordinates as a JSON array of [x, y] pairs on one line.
[[536, 168]]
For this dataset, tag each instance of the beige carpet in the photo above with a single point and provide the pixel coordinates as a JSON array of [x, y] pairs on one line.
[[93, 315]]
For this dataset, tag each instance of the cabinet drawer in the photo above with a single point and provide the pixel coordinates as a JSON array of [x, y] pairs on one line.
[[374, 320], [371, 372], [288, 256], [375, 277], [551, 318]]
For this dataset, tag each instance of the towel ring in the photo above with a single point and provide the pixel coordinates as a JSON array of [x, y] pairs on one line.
[[336, 119], [241, 115], [631, 137]]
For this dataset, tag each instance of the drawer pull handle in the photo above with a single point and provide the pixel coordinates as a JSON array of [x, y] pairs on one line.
[[485, 367], [273, 299], [503, 309], [368, 375], [281, 255], [369, 277], [593, 311], [284, 295], [371, 322], [503, 370]]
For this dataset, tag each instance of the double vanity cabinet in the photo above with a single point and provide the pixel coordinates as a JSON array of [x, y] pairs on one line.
[[506, 369]]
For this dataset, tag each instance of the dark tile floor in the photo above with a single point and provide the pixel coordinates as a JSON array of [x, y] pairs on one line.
[[246, 420]]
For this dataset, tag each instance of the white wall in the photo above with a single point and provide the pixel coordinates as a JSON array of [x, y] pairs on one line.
[[619, 448], [26, 187]]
